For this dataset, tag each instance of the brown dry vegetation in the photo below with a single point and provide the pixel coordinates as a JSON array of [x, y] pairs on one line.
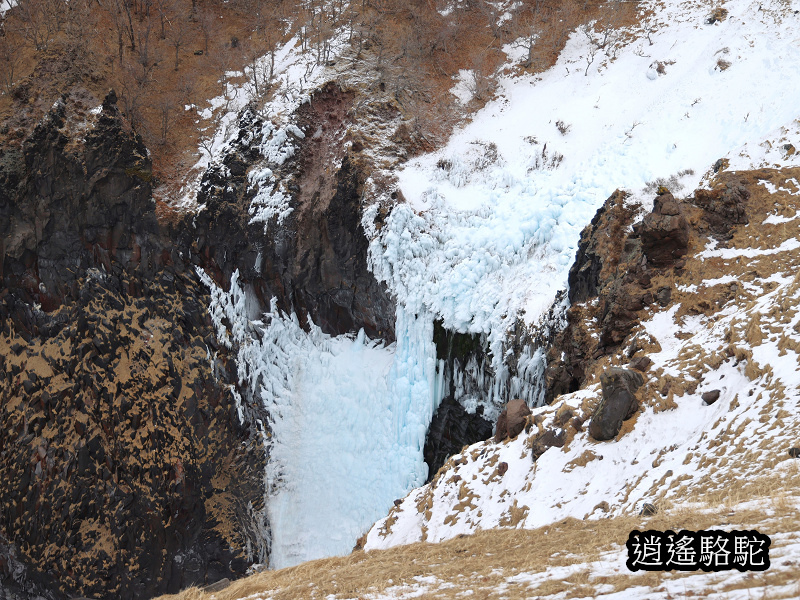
[[483, 561], [162, 55]]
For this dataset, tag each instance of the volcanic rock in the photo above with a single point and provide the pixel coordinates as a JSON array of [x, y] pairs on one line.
[[617, 404], [511, 421]]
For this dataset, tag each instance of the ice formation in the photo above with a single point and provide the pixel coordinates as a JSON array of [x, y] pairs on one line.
[[488, 235], [348, 420], [493, 219]]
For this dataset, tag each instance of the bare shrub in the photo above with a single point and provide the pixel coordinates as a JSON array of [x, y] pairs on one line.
[[41, 20], [671, 183]]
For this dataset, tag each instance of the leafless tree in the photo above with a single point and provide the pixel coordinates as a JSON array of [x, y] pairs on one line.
[[41, 20], [209, 26], [123, 24], [178, 34], [147, 57], [80, 23], [132, 96], [481, 81], [167, 106], [10, 47]]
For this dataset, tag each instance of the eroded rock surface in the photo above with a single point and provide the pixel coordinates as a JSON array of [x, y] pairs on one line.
[[128, 472], [664, 232], [618, 402], [315, 261], [452, 428], [622, 267]]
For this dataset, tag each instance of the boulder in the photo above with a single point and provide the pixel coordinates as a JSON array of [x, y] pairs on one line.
[[710, 397], [641, 363], [664, 296], [648, 510], [547, 439], [664, 232], [511, 421], [724, 206], [617, 404], [451, 429]]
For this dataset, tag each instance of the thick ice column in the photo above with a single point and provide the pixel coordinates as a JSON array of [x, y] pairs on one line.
[[415, 389]]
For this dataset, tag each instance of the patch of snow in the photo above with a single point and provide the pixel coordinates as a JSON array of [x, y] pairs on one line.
[[728, 253], [6, 5], [480, 244], [462, 89], [295, 75]]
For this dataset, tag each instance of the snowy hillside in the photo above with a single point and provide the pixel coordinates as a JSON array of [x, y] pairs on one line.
[[492, 219], [487, 235], [730, 332]]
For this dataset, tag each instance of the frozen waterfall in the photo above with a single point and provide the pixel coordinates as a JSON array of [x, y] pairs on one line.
[[348, 420]]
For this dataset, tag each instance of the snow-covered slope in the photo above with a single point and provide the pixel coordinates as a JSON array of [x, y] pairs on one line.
[[492, 220], [486, 236], [732, 327]]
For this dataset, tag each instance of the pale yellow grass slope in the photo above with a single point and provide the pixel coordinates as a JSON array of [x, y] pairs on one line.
[[569, 559]]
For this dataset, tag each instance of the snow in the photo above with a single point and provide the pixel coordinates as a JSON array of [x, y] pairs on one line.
[[747, 350], [6, 5], [786, 246], [461, 89], [348, 418], [296, 75], [493, 219], [487, 236]]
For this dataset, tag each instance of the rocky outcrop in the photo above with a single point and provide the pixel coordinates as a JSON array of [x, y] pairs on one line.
[[452, 428], [601, 292], [67, 205], [315, 261], [664, 232], [128, 470], [724, 205], [465, 365], [512, 420], [618, 402], [123, 456], [612, 281]]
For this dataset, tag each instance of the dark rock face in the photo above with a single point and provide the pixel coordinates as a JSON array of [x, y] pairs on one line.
[[664, 232], [128, 472], [16, 580], [131, 473], [450, 430], [617, 404], [616, 264], [724, 206], [65, 207], [315, 262], [452, 427], [710, 397], [603, 247], [511, 421], [136, 444], [594, 250]]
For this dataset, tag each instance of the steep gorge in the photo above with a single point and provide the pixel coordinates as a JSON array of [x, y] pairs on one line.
[[135, 468]]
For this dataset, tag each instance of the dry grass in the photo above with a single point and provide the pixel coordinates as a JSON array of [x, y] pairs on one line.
[[399, 53], [483, 561]]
